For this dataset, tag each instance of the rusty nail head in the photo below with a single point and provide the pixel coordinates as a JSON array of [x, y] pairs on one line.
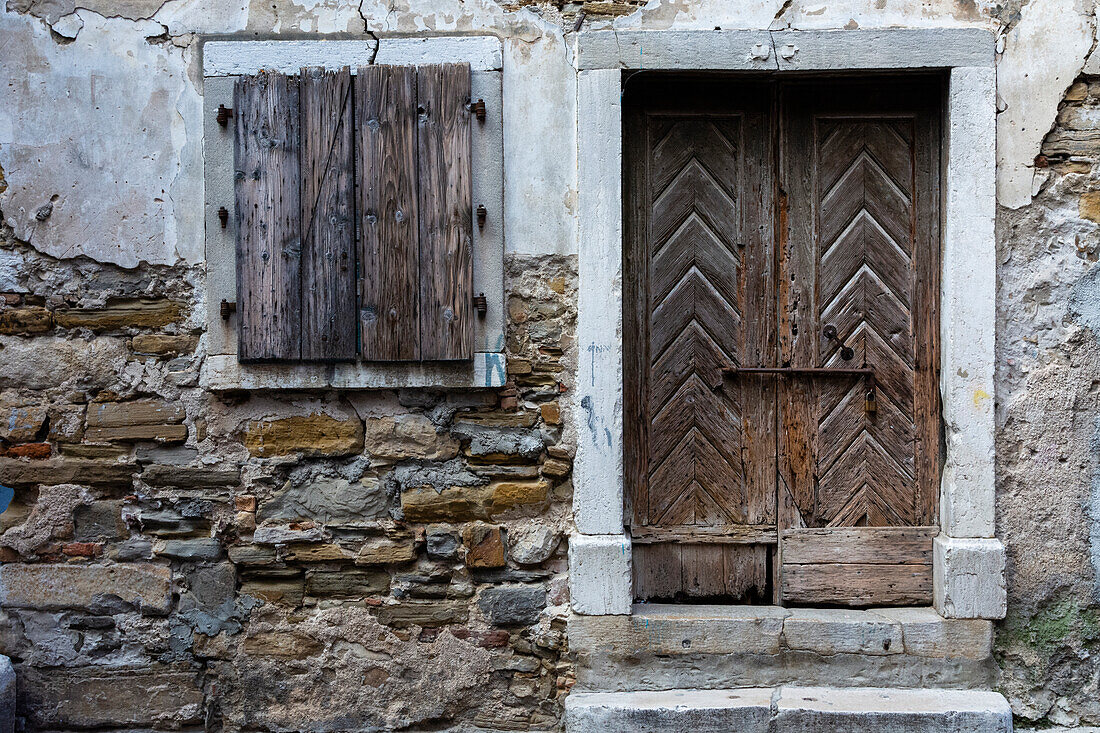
[[223, 216], [228, 309], [224, 114], [478, 108]]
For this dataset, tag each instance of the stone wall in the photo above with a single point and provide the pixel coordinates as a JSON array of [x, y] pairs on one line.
[[175, 559]]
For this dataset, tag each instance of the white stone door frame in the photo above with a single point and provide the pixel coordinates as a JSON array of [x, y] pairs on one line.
[[968, 561]]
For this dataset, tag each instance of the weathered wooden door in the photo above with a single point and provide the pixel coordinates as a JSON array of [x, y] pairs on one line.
[[699, 296], [859, 456], [783, 434]]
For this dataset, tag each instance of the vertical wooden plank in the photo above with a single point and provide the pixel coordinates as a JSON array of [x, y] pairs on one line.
[[389, 254], [926, 318], [704, 571], [657, 572], [328, 216], [268, 210], [446, 255]]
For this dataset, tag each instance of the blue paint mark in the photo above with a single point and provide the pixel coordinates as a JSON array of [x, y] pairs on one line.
[[6, 495]]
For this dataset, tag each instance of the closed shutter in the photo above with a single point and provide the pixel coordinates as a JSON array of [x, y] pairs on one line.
[[353, 198]]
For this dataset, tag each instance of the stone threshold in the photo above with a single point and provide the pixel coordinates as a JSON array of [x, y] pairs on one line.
[[673, 629], [783, 709]]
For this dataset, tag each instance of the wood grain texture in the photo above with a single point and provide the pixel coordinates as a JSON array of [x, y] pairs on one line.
[[445, 212], [694, 572], [389, 230], [268, 211], [697, 202], [329, 320], [731, 534], [857, 585], [864, 545]]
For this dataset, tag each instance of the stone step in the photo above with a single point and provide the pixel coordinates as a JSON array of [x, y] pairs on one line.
[[789, 710]]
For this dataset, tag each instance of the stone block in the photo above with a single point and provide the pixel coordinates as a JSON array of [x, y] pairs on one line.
[[927, 634], [327, 499], [407, 436], [252, 555], [484, 546], [313, 435], [63, 470], [57, 587], [347, 583], [21, 423], [532, 544], [120, 313], [191, 550], [97, 697], [136, 421], [7, 696], [442, 543], [157, 344], [467, 503], [188, 477], [282, 590], [285, 535], [875, 710], [556, 468], [25, 321], [599, 574], [30, 451], [968, 578], [66, 423], [513, 605], [745, 710], [838, 631], [312, 552], [386, 551], [282, 644], [423, 613]]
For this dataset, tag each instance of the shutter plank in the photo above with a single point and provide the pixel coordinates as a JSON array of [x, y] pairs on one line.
[[389, 255], [446, 262], [328, 217], [854, 584], [266, 190]]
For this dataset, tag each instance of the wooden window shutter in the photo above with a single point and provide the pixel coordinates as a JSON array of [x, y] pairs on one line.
[[413, 161], [295, 217]]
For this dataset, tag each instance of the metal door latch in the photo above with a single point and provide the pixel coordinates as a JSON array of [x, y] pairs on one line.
[[846, 352]]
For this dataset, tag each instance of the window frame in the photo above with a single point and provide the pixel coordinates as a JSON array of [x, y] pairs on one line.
[[223, 61]]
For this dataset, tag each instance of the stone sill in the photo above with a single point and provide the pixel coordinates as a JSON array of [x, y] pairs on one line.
[[222, 373], [672, 629]]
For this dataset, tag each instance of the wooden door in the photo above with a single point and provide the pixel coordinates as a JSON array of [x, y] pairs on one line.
[[699, 298], [791, 228], [859, 457]]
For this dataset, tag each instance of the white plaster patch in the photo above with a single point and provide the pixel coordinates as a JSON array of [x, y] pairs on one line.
[[203, 16], [104, 132], [1044, 53]]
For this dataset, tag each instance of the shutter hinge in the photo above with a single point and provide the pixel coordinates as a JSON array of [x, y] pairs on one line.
[[223, 216], [481, 305], [478, 108], [224, 115], [228, 309], [481, 214]]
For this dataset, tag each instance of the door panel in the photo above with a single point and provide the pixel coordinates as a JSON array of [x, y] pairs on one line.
[[701, 455], [782, 487], [859, 252]]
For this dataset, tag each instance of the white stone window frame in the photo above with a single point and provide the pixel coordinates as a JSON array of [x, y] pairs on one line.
[[226, 59], [968, 561]]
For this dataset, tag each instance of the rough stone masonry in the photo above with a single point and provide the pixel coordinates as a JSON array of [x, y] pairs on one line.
[[176, 559]]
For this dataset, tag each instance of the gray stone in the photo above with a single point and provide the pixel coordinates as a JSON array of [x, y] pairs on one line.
[[442, 544], [135, 548], [60, 586], [745, 711], [513, 605], [200, 548], [328, 499], [532, 544], [7, 696], [183, 477], [101, 520], [488, 443]]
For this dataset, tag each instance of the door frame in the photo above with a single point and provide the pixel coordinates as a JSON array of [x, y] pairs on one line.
[[968, 560]]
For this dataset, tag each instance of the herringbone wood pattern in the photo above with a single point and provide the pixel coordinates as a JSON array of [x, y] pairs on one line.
[[695, 470]]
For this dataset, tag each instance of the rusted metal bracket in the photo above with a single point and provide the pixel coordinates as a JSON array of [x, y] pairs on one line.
[[224, 115], [228, 309], [223, 216], [481, 305], [478, 108], [846, 352], [481, 215]]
